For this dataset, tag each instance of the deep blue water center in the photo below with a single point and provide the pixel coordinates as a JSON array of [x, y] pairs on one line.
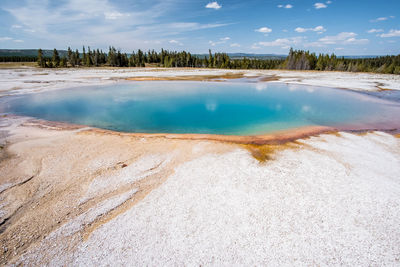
[[203, 107]]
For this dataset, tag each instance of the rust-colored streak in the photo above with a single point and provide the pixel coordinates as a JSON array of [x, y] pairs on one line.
[[276, 138], [189, 77]]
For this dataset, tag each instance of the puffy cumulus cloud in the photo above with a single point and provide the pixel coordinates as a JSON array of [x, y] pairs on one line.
[[318, 29], [391, 33], [263, 30], [287, 6], [213, 5], [342, 38], [175, 42], [320, 5]]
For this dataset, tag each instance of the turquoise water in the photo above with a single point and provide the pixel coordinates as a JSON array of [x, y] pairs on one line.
[[203, 107]]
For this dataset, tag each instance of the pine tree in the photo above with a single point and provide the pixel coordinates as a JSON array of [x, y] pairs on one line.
[[77, 59], [63, 62], [70, 57], [41, 61], [83, 56], [56, 58]]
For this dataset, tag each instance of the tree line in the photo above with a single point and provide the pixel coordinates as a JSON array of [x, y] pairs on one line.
[[18, 58], [296, 60], [304, 60]]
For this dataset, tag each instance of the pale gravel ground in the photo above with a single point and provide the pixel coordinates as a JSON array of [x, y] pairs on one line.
[[53, 250], [334, 201], [331, 203], [143, 167], [20, 81]]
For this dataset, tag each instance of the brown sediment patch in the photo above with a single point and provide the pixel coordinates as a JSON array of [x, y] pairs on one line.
[[17, 65], [269, 78], [276, 138], [52, 125], [381, 89], [190, 77], [264, 153]]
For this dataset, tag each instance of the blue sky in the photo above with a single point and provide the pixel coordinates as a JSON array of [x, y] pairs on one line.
[[343, 27]]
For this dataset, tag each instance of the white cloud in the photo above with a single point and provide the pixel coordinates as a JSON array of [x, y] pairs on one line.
[[299, 29], [320, 5], [175, 28], [211, 105], [328, 2], [6, 38], [97, 23], [318, 29], [15, 26], [305, 108], [391, 33], [287, 6], [213, 5], [343, 38], [221, 41], [175, 42], [235, 45], [337, 38], [375, 30], [115, 15], [2, 39], [382, 19], [356, 41], [282, 42], [264, 30]]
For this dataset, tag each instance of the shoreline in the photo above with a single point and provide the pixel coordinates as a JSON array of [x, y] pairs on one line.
[[279, 137], [26, 80]]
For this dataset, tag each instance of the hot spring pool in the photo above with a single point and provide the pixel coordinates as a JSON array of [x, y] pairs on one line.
[[204, 107]]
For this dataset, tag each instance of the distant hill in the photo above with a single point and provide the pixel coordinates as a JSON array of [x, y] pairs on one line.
[[256, 56], [29, 52], [246, 55]]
